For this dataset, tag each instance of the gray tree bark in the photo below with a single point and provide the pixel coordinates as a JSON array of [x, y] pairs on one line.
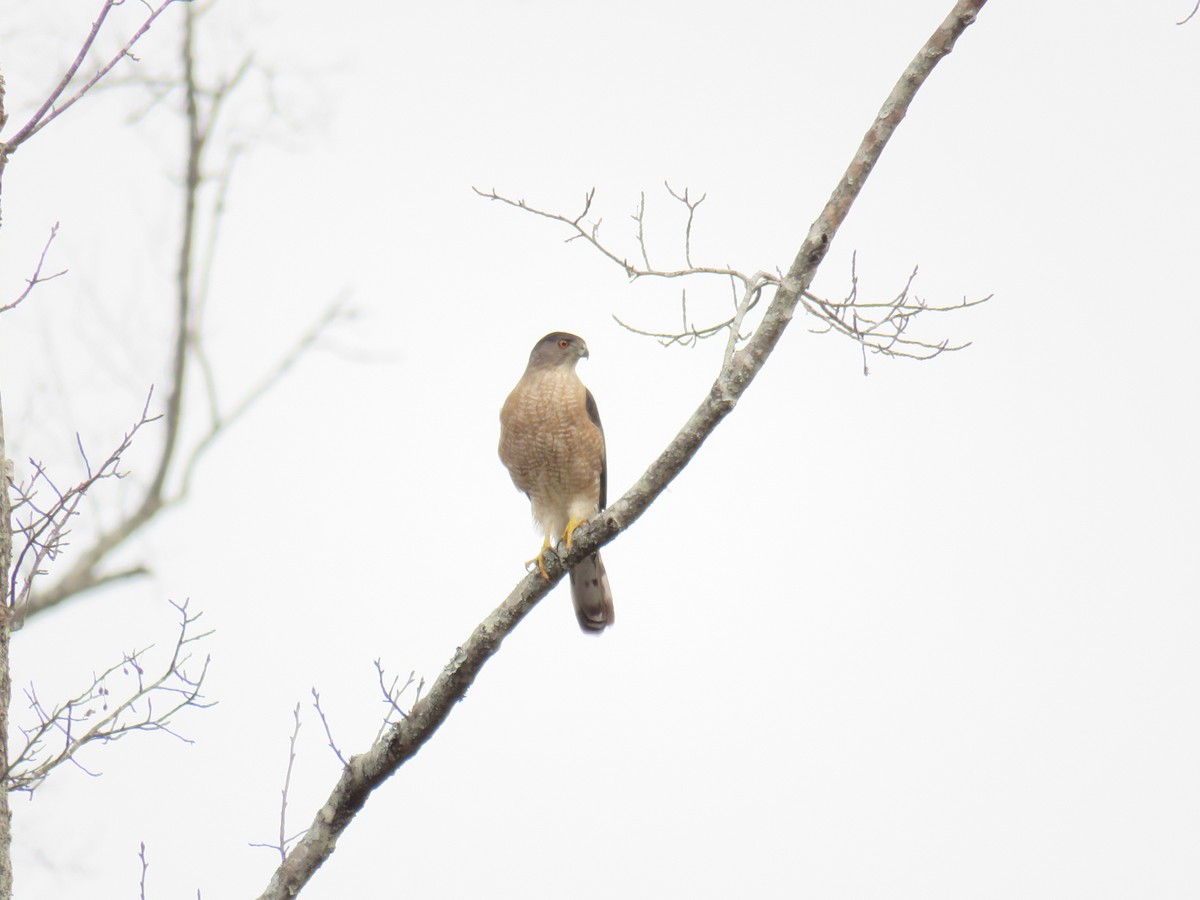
[[6, 611]]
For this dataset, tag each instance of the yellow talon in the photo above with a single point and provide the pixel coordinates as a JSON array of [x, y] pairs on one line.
[[538, 559], [572, 524]]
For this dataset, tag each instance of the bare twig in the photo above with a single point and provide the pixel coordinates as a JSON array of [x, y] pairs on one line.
[[287, 785], [37, 277], [391, 696], [402, 740], [691, 208], [1189, 16], [325, 725], [640, 218], [145, 866], [284, 841]]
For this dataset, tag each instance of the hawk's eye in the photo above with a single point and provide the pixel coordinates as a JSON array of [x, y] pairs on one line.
[[564, 343]]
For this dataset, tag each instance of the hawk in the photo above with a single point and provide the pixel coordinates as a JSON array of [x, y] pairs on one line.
[[552, 444]]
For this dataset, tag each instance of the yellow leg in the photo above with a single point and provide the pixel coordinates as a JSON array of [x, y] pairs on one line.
[[538, 559], [572, 524]]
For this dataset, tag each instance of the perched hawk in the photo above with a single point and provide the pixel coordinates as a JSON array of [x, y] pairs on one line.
[[552, 444]]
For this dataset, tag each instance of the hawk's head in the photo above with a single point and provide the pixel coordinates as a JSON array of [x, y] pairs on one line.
[[558, 349]]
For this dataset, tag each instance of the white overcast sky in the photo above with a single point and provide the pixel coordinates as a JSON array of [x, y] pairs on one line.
[[930, 633]]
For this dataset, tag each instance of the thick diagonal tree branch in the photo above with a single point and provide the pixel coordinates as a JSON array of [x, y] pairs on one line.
[[367, 771]]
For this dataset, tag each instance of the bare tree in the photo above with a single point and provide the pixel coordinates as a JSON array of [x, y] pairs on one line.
[[46, 530], [172, 475], [135, 694], [885, 331], [762, 304]]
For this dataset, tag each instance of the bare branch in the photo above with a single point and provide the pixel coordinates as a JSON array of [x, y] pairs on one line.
[[750, 296], [690, 335], [591, 236], [402, 740], [43, 528], [192, 166], [48, 111], [336, 312], [881, 327], [91, 716], [37, 277], [883, 334]]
